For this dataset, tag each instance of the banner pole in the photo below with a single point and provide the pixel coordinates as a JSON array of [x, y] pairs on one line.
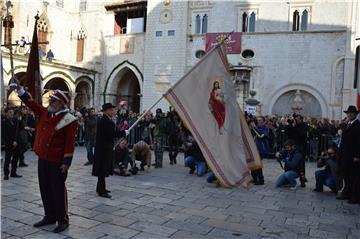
[[145, 113]]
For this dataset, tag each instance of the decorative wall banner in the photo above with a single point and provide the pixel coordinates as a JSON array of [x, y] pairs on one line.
[[232, 44], [127, 45]]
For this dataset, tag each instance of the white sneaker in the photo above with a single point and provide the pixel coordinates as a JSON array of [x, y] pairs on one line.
[[293, 188]]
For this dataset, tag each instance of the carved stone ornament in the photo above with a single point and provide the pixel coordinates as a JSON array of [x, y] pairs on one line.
[[167, 2], [165, 16]]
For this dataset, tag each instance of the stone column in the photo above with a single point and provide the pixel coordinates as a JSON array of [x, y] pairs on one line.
[[72, 100]]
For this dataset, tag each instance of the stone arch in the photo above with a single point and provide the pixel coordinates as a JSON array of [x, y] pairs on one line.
[[59, 74], [17, 69], [53, 84], [116, 84], [308, 90], [124, 86], [12, 98], [84, 92]]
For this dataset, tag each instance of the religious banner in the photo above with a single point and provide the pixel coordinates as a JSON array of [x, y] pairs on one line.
[[232, 43], [127, 45], [205, 100]]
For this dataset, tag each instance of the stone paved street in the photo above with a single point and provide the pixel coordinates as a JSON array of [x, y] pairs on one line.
[[170, 203]]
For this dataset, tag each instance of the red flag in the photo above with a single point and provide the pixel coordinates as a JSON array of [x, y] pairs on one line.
[[33, 83]]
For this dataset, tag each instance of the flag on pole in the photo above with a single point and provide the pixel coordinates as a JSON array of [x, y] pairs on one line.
[[205, 99], [357, 74], [32, 80]]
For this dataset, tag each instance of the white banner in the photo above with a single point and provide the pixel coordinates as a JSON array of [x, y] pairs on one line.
[[205, 100]]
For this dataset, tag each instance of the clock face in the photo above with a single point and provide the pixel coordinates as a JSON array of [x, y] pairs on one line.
[[165, 16]]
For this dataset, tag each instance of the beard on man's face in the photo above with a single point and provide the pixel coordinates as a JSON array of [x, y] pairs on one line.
[[51, 109]]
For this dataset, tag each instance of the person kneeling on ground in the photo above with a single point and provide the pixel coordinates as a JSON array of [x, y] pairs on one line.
[[121, 158], [293, 160], [330, 175], [195, 158], [141, 152]]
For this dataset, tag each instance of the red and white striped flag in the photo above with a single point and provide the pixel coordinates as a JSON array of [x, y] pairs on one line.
[[205, 99]]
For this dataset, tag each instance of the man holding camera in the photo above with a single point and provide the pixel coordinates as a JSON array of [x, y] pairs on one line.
[[330, 175], [293, 160], [350, 157]]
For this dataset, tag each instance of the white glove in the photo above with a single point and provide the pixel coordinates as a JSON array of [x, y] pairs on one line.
[[127, 132]]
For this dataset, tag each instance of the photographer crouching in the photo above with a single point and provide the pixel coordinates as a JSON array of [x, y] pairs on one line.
[[293, 160], [330, 175]]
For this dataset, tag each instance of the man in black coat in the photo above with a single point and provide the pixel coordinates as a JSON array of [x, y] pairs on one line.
[[8, 131], [103, 159], [350, 157]]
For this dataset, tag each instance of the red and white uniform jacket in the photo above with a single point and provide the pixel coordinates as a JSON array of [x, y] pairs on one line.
[[55, 133]]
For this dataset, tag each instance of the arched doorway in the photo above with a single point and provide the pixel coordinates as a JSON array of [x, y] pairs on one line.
[[83, 95], [285, 103], [125, 86], [12, 98], [56, 83]]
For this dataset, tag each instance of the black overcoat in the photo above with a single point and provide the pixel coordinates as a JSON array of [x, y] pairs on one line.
[[350, 146], [105, 135]]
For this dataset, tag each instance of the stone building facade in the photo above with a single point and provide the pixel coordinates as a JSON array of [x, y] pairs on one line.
[[134, 50]]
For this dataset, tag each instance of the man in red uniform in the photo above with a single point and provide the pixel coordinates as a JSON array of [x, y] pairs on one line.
[[54, 144]]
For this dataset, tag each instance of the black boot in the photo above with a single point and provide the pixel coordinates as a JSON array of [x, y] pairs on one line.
[[45, 221], [22, 164], [61, 227]]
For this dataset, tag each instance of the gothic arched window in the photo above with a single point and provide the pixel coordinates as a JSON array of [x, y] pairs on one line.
[[197, 23], [43, 29], [245, 22], [205, 24], [252, 22], [304, 20], [296, 21], [80, 45]]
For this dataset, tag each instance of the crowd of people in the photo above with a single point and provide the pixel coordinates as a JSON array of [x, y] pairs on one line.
[[113, 149]]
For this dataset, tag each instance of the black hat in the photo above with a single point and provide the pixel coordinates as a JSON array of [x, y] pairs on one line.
[[107, 106], [158, 111], [351, 109]]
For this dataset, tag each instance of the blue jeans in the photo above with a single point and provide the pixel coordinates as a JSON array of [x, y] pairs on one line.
[[287, 177], [324, 177], [211, 178], [193, 164], [90, 146]]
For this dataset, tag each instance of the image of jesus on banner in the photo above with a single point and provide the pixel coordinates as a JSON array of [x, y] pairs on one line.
[[217, 104]]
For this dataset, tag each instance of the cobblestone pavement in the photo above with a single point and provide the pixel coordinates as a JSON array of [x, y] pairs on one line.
[[170, 203]]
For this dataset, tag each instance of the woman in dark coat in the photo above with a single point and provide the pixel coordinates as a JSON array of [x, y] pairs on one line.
[[105, 136]]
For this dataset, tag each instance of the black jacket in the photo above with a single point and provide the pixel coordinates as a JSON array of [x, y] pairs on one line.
[[293, 160], [105, 135], [8, 131], [350, 145]]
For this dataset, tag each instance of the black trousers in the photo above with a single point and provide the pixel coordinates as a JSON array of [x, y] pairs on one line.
[[257, 175], [11, 156], [173, 150], [53, 191], [352, 183], [101, 186]]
